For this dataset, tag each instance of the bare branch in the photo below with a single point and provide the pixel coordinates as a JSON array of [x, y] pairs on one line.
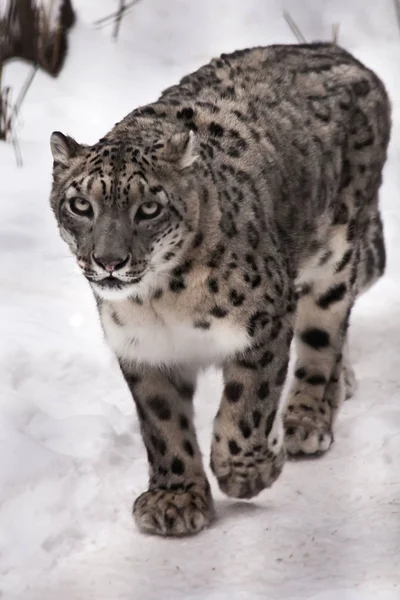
[[36, 34], [335, 33], [117, 22], [24, 90], [17, 149], [4, 109], [397, 11], [5, 104], [109, 19], [294, 28], [9, 114]]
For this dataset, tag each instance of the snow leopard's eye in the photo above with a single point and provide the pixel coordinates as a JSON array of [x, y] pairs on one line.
[[149, 210], [81, 207]]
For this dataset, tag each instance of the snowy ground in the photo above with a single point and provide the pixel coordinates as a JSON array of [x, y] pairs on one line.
[[71, 456]]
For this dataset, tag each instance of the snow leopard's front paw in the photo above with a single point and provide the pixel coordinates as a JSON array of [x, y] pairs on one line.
[[174, 513], [244, 473]]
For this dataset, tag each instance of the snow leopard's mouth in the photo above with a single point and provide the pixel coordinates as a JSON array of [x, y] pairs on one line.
[[113, 283]]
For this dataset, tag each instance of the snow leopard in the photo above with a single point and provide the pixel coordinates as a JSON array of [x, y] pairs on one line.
[[234, 215]]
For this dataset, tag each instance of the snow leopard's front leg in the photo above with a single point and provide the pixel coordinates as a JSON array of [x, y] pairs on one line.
[[247, 453], [178, 501]]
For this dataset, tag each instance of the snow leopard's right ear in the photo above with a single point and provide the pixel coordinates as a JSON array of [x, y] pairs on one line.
[[181, 150], [63, 148]]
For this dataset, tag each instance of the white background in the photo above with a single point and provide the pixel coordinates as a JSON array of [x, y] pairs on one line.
[[71, 458]]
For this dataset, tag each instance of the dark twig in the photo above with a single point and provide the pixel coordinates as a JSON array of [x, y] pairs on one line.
[[15, 143], [113, 17], [295, 30], [117, 22], [5, 94], [24, 91], [9, 121]]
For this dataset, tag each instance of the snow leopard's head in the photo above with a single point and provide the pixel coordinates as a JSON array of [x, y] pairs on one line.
[[127, 207]]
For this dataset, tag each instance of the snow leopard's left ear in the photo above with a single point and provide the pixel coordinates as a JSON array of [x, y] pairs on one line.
[[180, 149], [63, 148]]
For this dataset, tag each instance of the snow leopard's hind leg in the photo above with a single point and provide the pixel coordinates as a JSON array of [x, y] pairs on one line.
[[318, 389], [369, 269], [352, 258], [324, 376]]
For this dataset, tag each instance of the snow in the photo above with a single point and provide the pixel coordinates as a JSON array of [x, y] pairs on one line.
[[71, 456]]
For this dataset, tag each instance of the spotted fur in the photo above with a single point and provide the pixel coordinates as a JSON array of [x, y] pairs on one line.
[[260, 173]]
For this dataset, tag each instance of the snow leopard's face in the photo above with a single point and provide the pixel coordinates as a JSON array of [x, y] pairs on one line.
[[128, 213]]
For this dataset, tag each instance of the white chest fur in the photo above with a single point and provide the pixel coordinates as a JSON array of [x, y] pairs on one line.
[[141, 334]]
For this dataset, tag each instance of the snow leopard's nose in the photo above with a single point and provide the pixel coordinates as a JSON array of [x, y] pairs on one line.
[[111, 263]]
